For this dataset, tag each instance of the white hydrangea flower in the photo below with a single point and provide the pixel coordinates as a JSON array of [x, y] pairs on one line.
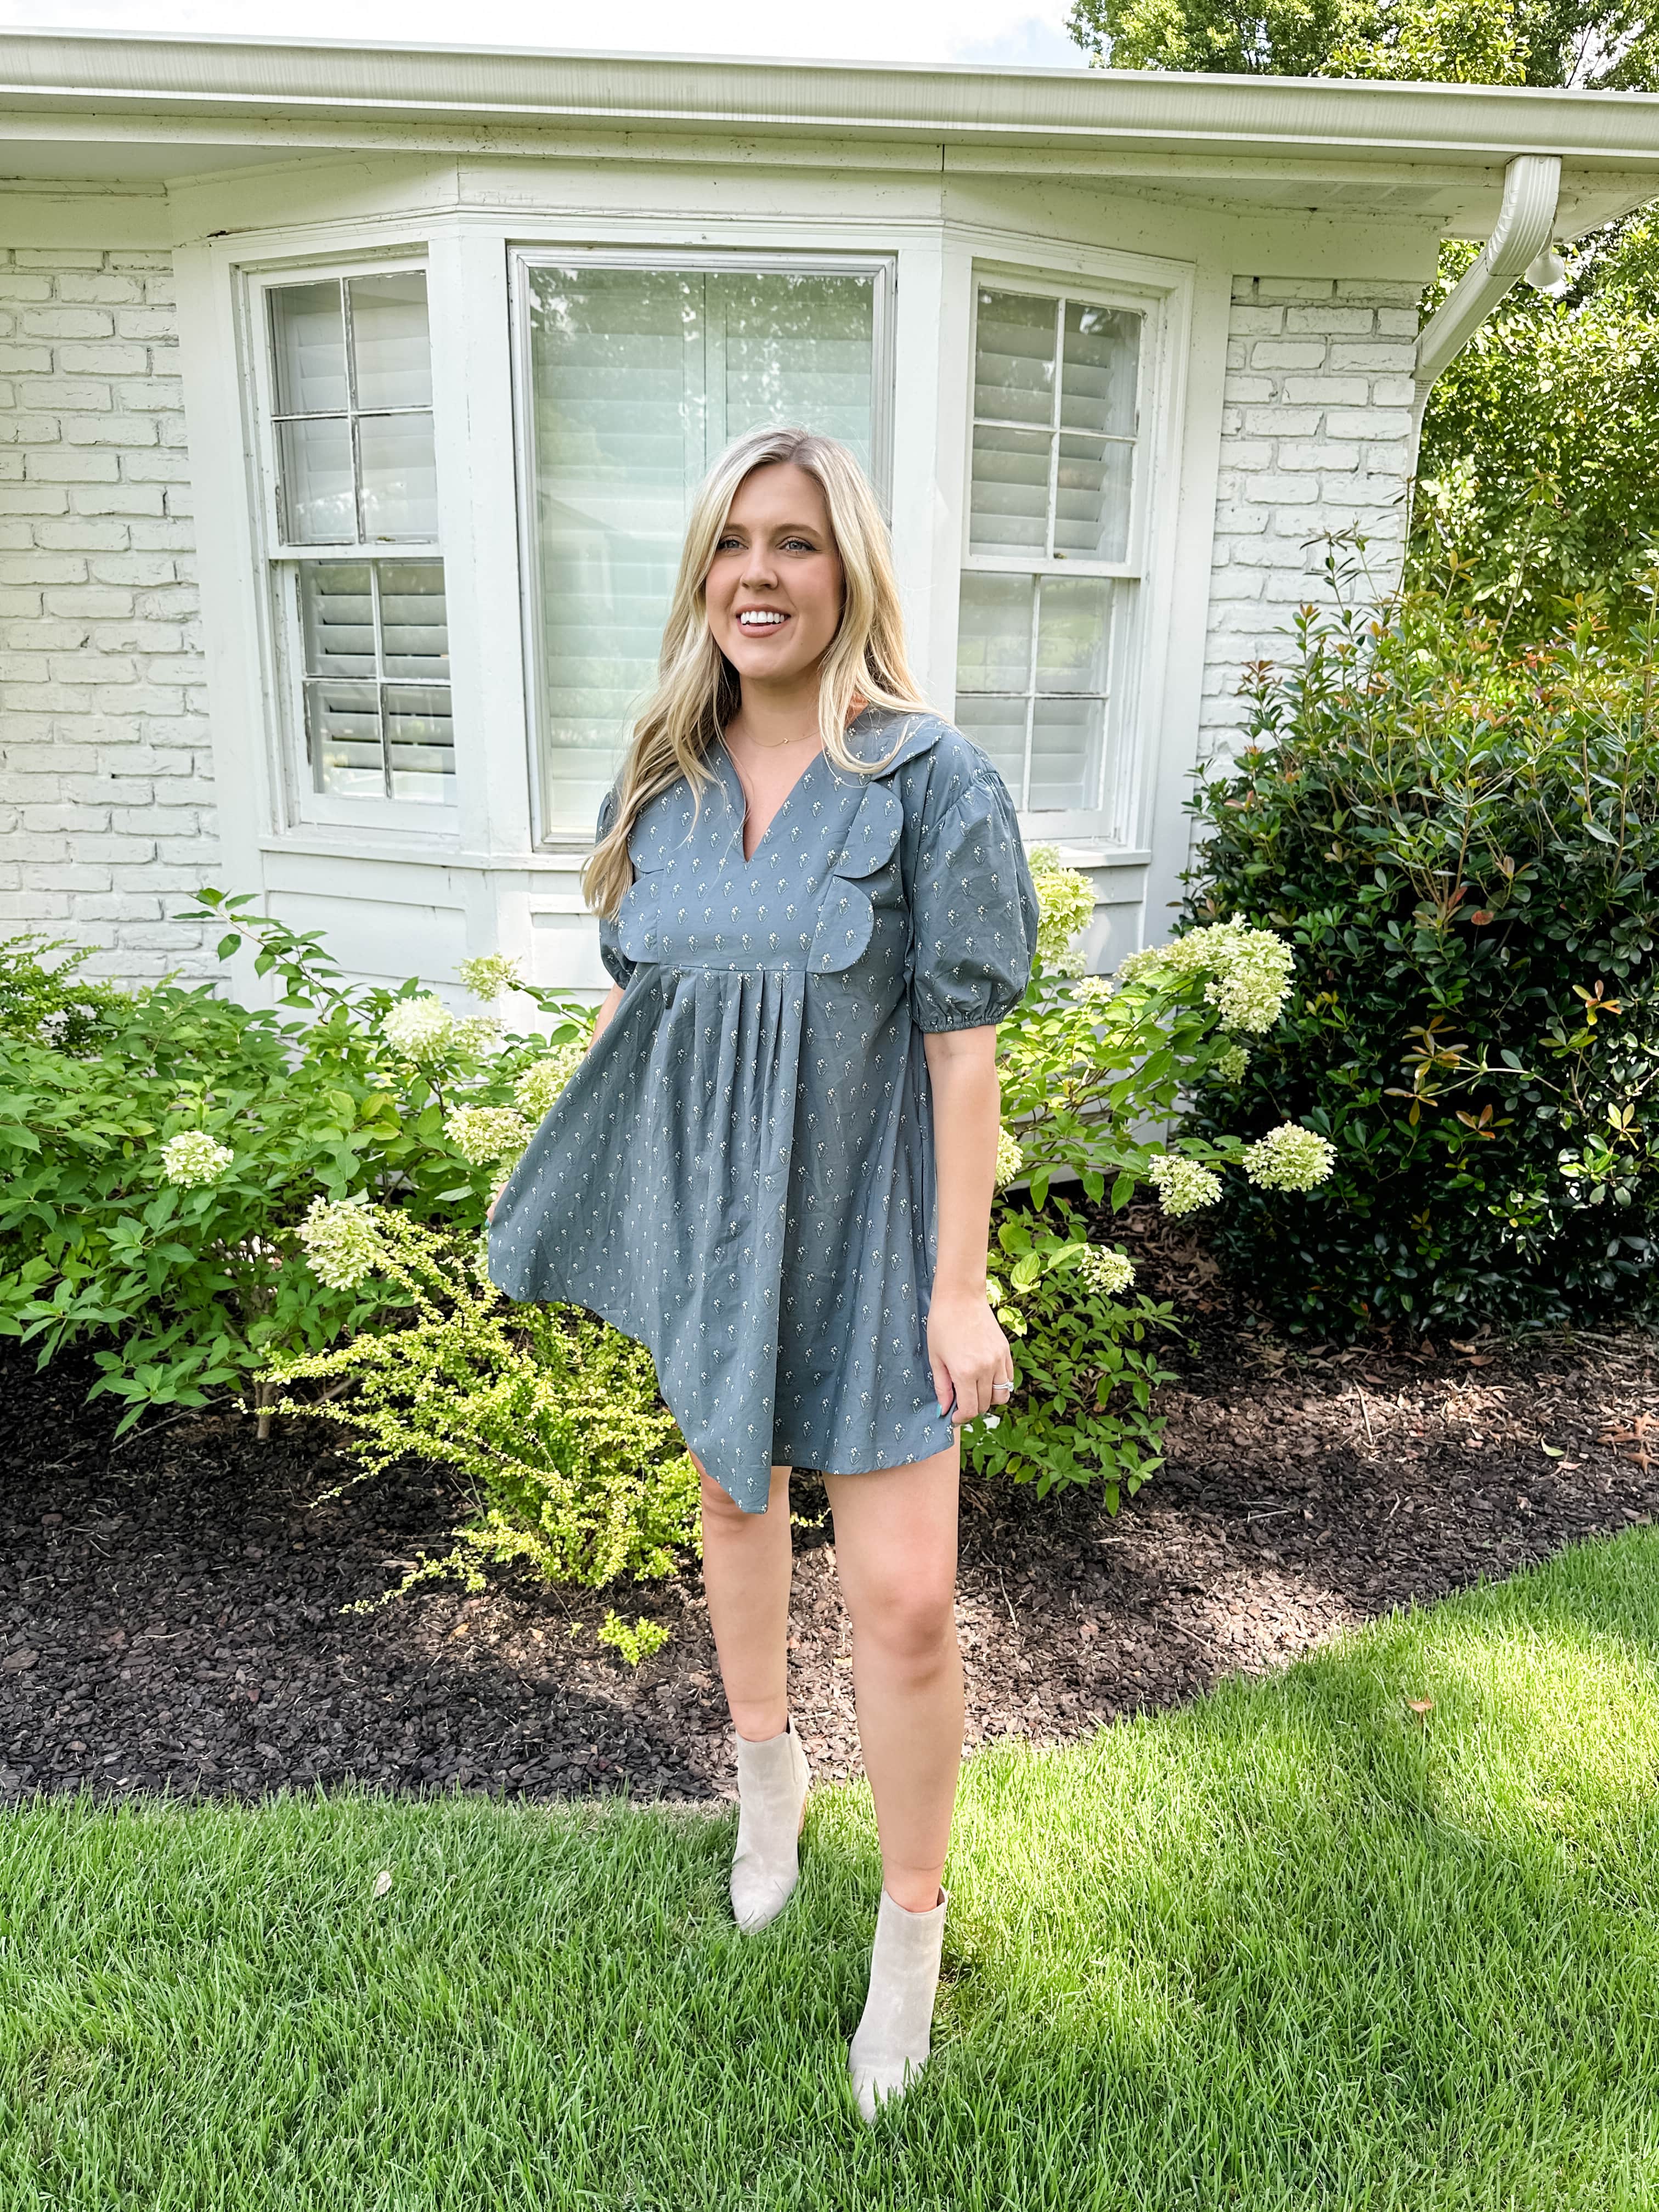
[[1183, 1185], [1289, 1158], [491, 975], [1093, 990], [475, 1034], [1107, 1270], [342, 1241], [1010, 1158], [482, 1134], [193, 1157], [542, 1080], [1066, 905], [1232, 1063], [418, 1028], [1249, 971]]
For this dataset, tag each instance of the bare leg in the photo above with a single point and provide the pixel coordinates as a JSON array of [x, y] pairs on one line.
[[896, 1551], [747, 1560]]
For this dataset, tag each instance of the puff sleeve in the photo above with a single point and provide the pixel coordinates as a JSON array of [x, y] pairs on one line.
[[617, 966], [973, 911]]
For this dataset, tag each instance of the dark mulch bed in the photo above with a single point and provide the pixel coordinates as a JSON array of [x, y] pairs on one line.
[[170, 1606]]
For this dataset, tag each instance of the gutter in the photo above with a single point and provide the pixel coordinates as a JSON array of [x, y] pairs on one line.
[[1522, 232]]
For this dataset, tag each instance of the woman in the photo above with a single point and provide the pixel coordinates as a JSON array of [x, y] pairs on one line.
[[775, 1165]]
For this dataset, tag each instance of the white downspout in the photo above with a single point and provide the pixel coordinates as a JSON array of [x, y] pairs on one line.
[[1526, 221]]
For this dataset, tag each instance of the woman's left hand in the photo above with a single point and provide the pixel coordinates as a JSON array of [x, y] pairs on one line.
[[969, 1354]]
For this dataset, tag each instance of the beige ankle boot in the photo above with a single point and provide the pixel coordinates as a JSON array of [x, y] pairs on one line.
[[772, 1780], [895, 2036]]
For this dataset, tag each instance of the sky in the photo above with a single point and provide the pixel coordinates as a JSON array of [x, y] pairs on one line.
[[1028, 34]]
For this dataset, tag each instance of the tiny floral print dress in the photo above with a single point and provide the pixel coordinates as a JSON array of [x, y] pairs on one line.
[[740, 1174]]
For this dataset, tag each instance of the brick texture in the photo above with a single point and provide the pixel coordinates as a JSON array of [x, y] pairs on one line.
[[1315, 436], [106, 815]]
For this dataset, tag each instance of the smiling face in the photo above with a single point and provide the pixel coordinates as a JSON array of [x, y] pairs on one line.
[[773, 589]]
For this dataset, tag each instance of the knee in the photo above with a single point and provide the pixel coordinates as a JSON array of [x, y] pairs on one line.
[[912, 1618], [722, 1511]]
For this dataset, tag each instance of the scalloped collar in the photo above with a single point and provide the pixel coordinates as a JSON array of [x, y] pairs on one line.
[[871, 734]]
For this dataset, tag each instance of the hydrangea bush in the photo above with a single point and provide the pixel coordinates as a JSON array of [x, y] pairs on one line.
[[172, 1159], [1096, 1073]]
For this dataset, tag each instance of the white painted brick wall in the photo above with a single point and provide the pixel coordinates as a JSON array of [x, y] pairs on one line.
[[106, 817], [1315, 436]]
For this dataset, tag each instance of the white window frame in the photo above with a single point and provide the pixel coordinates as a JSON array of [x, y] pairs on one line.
[[879, 263], [299, 804], [1114, 825]]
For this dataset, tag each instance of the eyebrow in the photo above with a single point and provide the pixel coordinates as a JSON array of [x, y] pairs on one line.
[[784, 529]]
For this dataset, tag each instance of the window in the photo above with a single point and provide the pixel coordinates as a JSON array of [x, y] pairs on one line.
[[632, 378], [1048, 576], [363, 632]]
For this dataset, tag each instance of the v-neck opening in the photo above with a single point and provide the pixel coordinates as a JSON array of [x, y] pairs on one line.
[[749, 859]]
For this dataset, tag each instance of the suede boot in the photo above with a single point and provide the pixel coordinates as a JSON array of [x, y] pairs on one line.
[[772, 1780], [895, 2035]]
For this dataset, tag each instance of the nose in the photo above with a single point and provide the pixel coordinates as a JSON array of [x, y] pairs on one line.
[[759, 570]]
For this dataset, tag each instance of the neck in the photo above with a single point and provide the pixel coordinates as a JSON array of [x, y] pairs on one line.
[[770, 715]]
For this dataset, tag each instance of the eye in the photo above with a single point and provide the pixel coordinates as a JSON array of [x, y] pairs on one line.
[[727, 544], [799, 545]]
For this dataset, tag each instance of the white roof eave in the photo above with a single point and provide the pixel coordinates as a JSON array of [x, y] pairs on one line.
[[111, 84]]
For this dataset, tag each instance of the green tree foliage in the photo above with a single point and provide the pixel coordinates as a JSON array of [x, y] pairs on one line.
[[1540, 42], [1538, 479]]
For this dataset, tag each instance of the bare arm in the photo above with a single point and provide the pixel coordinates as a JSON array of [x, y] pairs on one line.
[[966, 1347], [608, 1006]]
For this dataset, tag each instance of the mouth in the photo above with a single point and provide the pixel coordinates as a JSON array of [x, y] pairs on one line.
[[759, 620]]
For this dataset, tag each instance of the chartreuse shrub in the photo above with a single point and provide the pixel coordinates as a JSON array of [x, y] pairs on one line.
[[550, 1416], [1461, 843]]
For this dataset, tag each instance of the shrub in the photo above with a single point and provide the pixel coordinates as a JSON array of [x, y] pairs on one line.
[[161, 1148], [551, 1416], [1461, 843]]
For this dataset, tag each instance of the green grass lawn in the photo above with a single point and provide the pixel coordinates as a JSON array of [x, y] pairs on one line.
[[1293, 1946]]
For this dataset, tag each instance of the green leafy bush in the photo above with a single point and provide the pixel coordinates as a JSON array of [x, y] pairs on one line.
[[551, 1415], [1461, 842], [160, 1150]]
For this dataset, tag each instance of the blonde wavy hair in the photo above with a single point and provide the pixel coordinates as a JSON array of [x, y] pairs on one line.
[[697, 688]]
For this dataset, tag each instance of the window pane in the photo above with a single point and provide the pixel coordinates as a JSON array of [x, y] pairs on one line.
[[417, 729], [993, 638], [336, 618], [314, 466], [1009, 506], [637, 378], [399, 477], [390, 352], [1071, 635], [1102, 362], [307, 334], [797, 349], [1091, 502], [1014, 358], [342, 724], [413, 621], [1066, 749]]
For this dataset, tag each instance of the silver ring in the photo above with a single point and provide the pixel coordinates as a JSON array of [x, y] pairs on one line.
[[1002, 1386]]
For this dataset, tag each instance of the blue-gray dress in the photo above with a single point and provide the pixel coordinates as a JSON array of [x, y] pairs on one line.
[[740, 1174]]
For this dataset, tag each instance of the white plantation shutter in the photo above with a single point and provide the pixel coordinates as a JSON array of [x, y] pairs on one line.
[[351, 405], [636, 379], [1047, 587]]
